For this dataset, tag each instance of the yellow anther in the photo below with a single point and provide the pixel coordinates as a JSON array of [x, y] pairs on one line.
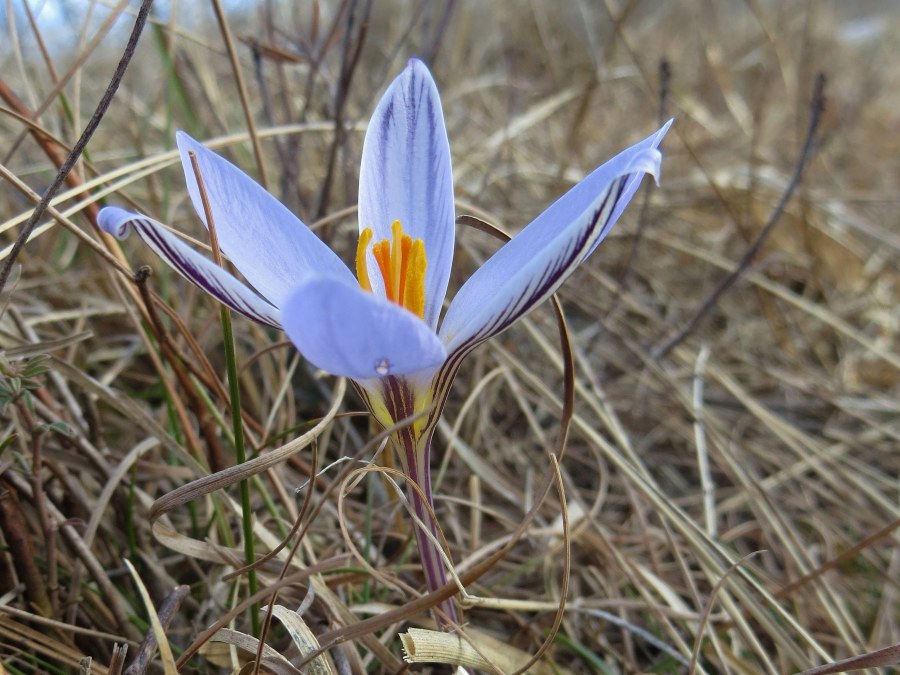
[[405, 245], [401, 261], [362, 267], [414, 298]]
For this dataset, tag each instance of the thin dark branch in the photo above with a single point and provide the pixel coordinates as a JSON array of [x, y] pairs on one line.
[[886, 656], [14, 528], [316, 58], [227, 38], [79, 146], [258, 53], [350, 53], [665, 79], [167, 612], [180, 367], [435, 39], [816, 108]]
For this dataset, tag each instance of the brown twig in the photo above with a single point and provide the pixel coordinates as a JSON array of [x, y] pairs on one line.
[[111, 596], [838, 560], [167, 612], [568, 411], [215, 454], [59, 83], [259, 52], [48, 528], [350, 54], [887, 656], [15, 533], [196, 362], [816, 108], [316, 57], [270, 604], [242, 89], [80, 144], [117, 659], [665, 79], [53, 147], [436, 38]]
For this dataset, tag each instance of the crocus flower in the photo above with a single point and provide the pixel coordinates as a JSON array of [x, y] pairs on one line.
[[379, 324]]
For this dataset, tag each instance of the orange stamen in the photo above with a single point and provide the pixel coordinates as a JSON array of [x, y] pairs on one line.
[[401, 262], [382, 251]]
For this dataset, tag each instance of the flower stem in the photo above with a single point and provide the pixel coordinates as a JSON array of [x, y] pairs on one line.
[[234, 390], [416, 465]]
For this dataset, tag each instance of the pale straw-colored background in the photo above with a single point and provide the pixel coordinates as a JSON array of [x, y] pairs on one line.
[[732, 503]]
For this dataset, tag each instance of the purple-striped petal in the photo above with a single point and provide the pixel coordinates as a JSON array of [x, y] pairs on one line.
[[270, 246], [191, 265], [533, 265], [406, 175], [346, 331]]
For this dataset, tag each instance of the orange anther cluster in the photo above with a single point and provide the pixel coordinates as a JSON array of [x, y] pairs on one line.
[[401, 262]]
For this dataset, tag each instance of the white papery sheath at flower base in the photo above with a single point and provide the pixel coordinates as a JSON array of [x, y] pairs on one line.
[[393, 346]]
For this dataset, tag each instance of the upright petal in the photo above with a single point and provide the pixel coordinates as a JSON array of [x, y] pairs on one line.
[[191, 265], [346, 331], [533, 265], [406, 176], [270, 246]]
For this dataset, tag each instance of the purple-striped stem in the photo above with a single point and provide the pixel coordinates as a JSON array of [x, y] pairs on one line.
[[415, 455], [393, 399]]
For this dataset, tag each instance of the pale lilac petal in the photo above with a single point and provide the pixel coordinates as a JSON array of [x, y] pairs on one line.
[[533, 265], [270, 246], [191, 265], [346, 331], [406, 175]]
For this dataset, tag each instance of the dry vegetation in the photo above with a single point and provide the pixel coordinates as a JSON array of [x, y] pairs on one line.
[[732, 503]]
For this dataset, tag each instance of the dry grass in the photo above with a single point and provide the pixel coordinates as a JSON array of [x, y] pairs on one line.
[[732, 504]]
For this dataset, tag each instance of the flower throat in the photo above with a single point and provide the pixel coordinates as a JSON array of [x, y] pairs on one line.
[[401, 262]]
